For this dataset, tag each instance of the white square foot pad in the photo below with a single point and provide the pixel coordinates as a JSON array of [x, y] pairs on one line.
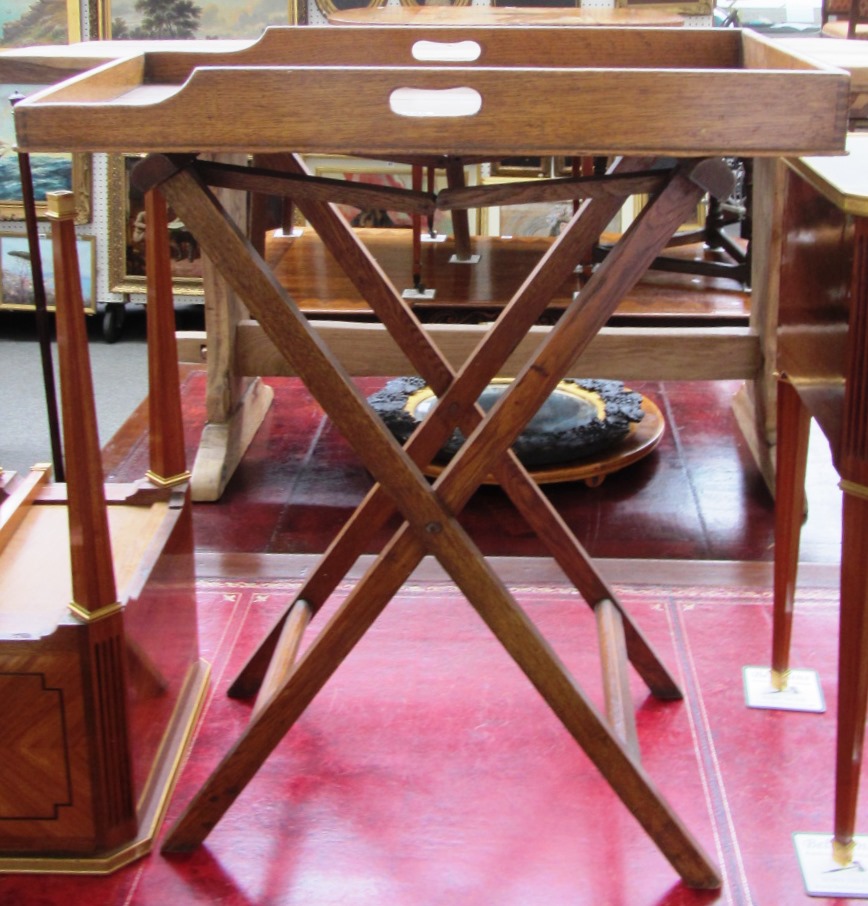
[[823, 876], [803, 691]]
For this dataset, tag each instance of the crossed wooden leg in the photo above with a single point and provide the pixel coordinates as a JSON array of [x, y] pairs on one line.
[[431, 525], [522, 312]]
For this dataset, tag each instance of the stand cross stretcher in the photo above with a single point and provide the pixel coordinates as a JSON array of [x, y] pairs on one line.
[[508, 100]]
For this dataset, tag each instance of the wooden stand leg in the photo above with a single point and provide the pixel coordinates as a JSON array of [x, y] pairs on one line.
[[235, 404], [520, 314], [43, 328], [460, 221], [431, 523], [166, 427], [852, 671], [95, 600], [853, 468], [794, 422]]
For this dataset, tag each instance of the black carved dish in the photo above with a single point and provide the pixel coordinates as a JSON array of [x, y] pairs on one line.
[[580, 418]]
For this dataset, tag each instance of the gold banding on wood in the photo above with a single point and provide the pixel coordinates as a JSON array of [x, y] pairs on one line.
[[827, 380], [842, 853], [853, 488], [780, 679], [91, 616], [170, 482]]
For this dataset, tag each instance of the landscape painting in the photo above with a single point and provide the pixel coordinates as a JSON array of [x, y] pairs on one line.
[[51, 172], [16, 275], [24, 23], [178, 19]]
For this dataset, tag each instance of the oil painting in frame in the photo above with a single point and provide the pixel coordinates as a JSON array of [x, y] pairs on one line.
[[327, 7], [684, 7], [50, 172], [16, 277], [26, 23], [534, 219], [132, 20], [385, 173], [126, 224]]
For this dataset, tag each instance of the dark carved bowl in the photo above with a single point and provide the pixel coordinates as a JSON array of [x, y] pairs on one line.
[[580, 418]]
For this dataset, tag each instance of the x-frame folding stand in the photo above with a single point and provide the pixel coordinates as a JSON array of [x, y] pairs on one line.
[[430, 513]]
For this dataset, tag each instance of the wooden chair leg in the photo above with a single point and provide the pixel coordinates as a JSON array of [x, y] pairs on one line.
[[793, 427]]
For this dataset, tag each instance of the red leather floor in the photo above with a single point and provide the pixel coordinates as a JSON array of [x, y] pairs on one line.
[[698, 496], [428, 772]]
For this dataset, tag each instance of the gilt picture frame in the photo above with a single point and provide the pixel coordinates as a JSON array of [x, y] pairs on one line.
[[50, 172], [25, 23], [16, 277], [385, 173], [200, 21], [536, 219], [684, 7], [126, 254]]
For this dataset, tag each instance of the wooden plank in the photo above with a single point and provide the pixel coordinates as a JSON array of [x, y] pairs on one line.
[[626, 353]]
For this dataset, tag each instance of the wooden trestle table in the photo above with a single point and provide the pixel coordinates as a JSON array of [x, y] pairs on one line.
[[645, 94]]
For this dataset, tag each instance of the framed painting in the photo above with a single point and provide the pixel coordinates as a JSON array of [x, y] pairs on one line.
[[547, 4], [24, 23], [50, 172], [16, 277], [148, 20], [534, 219], [522, 166], [685, 7], [126, 226], [327, 7], [382, 173]]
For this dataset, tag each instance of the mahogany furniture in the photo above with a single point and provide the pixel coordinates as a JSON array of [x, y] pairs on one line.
[[309, 90], [755, 404], [823, 364], [99, 662]]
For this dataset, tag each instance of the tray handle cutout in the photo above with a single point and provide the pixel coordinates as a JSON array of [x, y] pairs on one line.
[[435, 102], [446, 51]]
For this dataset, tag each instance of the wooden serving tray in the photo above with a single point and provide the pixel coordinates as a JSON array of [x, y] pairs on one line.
[[540, 91]]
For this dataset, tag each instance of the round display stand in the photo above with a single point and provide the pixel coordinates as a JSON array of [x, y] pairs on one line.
[[641, 439], [587, 428]]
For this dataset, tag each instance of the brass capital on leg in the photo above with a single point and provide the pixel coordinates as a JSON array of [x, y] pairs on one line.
[[842, 853]]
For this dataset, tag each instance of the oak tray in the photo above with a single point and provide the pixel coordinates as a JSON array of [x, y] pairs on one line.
[[466, 91]]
